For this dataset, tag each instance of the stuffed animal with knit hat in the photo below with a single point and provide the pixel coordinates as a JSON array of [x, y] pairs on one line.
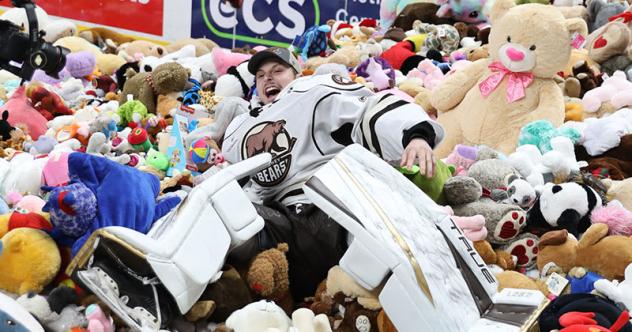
[[488, 102], [72, 208]]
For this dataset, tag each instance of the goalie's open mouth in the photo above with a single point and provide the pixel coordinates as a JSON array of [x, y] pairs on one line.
[[272, 91]]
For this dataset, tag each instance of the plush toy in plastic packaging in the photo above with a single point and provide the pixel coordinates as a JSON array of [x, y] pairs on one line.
[[490, 100]]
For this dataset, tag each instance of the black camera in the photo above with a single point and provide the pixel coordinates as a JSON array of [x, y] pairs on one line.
[[21, 54]]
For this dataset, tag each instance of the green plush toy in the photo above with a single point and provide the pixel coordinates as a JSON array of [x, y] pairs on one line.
[[433, 187], [132, 111], [157, 160]]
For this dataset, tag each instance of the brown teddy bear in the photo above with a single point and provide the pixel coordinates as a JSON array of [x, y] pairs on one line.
[[106, 39], [361, 307], [133, 51], [146, 87], [490, 256], [229, 294], [268, 277], [478, 53], [488, 102], [349, 56]]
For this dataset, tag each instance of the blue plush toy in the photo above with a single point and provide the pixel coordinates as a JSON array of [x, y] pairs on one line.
[[540, 133], [314, 41], [192, 96], [104, 193], [585, 284], [72, 208]]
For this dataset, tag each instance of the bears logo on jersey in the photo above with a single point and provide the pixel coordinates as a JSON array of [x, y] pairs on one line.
[[271, 137], [342, 80]]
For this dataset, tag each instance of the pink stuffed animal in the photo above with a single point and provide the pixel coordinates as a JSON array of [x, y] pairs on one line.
[[616, 89], [618, 218], [31, 203], [224, 59], [21, 112], [430, 74], [472, 227], [378, 76], [97, 321], [463, 157]]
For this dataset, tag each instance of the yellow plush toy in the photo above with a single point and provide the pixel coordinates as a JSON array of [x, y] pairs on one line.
[[78, 44], [29, 261], [489, 101], [13, 220]]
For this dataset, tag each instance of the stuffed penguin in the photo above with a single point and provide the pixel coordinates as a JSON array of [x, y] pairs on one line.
[[564, 206]]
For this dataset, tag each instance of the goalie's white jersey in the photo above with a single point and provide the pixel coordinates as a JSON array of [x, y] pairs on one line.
[[312, 120]]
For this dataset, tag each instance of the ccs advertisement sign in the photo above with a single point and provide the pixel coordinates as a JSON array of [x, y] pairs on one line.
[[258, 22], [271, 22]]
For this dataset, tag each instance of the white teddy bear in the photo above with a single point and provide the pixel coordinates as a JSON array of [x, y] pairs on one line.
[[559, 163]]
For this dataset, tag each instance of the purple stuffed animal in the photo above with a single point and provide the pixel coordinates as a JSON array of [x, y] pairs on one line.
[[378, 71], [78, 65]]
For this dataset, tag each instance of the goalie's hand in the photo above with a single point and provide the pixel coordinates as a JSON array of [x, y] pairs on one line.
[[418, 150]]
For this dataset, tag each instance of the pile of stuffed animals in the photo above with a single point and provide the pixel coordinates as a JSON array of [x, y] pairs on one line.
[[535, 167]]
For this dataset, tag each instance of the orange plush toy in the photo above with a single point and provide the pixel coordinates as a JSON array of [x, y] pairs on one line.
[[47, 103]]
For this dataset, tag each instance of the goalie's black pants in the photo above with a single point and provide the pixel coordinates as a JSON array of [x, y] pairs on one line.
[[316, 244]]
